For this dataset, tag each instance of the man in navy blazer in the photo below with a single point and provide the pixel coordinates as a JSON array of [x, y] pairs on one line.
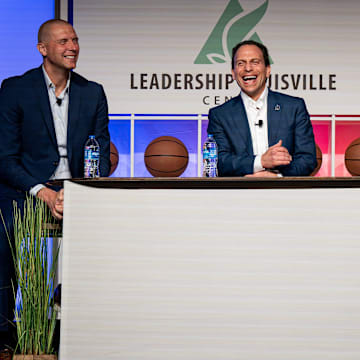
[[261, 133], [46, 116]]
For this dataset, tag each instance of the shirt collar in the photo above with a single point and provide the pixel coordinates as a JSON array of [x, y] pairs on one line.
[[49, 83], [259, 103]]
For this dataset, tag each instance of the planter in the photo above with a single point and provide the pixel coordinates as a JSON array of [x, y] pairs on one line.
[[35, 312]]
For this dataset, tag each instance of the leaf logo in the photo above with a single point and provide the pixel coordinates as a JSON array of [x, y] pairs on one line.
[[233, 26]]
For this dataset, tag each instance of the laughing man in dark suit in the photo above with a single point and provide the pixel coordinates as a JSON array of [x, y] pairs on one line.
[[261, 133], [46, 116]]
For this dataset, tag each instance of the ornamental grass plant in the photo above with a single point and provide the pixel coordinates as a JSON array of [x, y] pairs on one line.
[[35, 313]]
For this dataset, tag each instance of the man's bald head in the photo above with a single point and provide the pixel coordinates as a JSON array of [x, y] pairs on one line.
[[45, 29], [59, 46]]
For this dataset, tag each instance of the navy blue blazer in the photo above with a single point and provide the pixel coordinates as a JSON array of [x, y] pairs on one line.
[[288, 120], [28, 147]]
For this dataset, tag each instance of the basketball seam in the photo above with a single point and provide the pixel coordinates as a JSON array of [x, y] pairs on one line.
[[159, 155], [182, 145], [350, 146]]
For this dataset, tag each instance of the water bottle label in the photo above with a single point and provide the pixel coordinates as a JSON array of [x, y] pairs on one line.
[[206, 154], [213, 153], [91, 153]]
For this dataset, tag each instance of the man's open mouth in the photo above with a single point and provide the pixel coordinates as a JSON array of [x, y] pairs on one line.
[[249, 78]]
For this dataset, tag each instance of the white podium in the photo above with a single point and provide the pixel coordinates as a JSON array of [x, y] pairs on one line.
[[210, 274]]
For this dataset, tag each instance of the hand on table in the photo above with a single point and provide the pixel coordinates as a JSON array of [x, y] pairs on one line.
[[261, 174]]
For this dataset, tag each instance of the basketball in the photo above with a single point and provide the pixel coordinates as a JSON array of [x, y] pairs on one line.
[[166, 156], [318, 159], [352, 158], [114, 158]]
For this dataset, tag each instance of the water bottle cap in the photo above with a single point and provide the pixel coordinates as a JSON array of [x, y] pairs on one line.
[[210, 135], [91, 136]]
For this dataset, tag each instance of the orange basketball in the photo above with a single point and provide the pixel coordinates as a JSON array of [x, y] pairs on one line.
[[352, 158], [318, 159], [166, 156], [114, 158]]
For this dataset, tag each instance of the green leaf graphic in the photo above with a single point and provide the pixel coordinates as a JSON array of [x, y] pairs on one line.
[[216, 58], [213, 44], [219, 44], [244, 25]]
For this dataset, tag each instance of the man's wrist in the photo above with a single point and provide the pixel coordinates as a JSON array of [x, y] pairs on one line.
[[35, 189], [257, 164]]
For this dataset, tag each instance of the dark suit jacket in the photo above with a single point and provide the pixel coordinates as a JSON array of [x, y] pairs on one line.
[[28, 147], [288, 120]]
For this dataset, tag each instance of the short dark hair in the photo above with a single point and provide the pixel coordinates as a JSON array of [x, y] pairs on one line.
[[45, 28], [262, 47]]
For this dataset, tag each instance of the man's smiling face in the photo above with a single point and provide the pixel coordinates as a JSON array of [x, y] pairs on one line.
[[250, 71], [60, 48]]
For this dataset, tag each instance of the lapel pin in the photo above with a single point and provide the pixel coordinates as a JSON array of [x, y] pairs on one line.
[[277, 107]]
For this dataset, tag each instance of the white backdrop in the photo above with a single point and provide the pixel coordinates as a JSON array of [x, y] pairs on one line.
[[305, 38]]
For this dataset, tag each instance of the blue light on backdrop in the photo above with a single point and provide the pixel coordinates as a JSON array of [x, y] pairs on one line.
[[120, 136], [19, 24], [148, 130]]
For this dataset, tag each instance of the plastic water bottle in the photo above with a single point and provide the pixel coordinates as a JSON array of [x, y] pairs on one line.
[[210, 157], [91, 158]]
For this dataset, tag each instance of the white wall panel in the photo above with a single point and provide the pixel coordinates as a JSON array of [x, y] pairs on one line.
[[308, 37], [210, 274]]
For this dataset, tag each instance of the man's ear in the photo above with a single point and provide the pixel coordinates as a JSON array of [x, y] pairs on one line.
[[42, 49], [233, 74], [268, 71]]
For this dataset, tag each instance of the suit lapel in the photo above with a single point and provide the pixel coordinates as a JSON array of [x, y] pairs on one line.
[[73, 113], [274, 111], [241, 123], [43, 98]]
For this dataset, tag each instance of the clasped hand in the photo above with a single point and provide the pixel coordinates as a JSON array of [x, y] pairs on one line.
[[275, 156], [54, 200]]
